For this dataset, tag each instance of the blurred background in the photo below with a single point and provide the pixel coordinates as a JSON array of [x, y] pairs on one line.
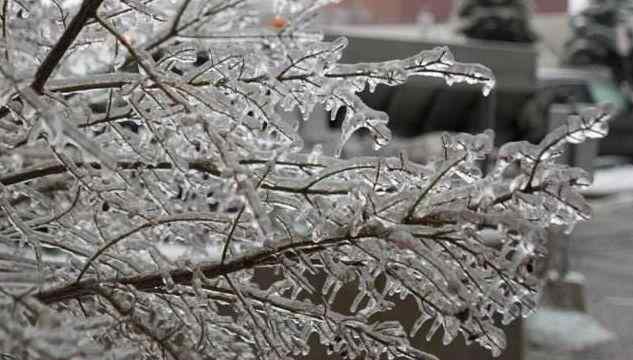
[[552, 58]]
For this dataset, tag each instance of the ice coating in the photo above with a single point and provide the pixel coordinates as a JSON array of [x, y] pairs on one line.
[[158, 173]]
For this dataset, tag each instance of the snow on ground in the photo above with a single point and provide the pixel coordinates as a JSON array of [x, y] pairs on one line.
[[611, 181], [551, 329]]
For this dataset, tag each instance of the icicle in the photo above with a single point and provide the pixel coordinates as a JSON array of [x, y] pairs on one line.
[[437, 323], [419, 322]]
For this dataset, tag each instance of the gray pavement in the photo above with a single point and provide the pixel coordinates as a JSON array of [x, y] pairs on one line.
[[602, 250]]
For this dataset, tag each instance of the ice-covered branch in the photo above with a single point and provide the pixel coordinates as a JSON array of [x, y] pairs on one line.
[[157, 199]]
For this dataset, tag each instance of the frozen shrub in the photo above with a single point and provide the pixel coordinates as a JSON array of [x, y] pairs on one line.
[[146, 174]]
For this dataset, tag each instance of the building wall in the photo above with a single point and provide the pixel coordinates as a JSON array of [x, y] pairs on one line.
[[550, 6], [406, 11]]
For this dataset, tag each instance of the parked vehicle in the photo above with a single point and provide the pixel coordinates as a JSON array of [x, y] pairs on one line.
[[576, 87], [421, 107], [518, 108], [423, 104]]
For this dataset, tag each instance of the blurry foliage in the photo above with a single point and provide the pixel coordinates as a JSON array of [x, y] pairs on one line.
[[501, 20], [602, 36]]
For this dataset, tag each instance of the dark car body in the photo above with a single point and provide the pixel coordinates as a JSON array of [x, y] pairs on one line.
[[424, 104], [580, 87], [518, 108]]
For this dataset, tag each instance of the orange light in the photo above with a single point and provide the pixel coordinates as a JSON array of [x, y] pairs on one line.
[[278, 22]]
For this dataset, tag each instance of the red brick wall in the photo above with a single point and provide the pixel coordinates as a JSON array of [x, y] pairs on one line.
[[390, 11]]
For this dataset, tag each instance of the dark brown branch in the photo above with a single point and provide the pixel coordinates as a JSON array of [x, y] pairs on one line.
[[47, 169], [548, 147], [205, 166], [87, 11], [227, 243], [150, 282], [407, 219], [154, 280], [5, 23], [148, 224]]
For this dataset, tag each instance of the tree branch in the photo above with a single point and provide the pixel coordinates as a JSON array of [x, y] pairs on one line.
[[205, 166], [87, 11], [153, 280]]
